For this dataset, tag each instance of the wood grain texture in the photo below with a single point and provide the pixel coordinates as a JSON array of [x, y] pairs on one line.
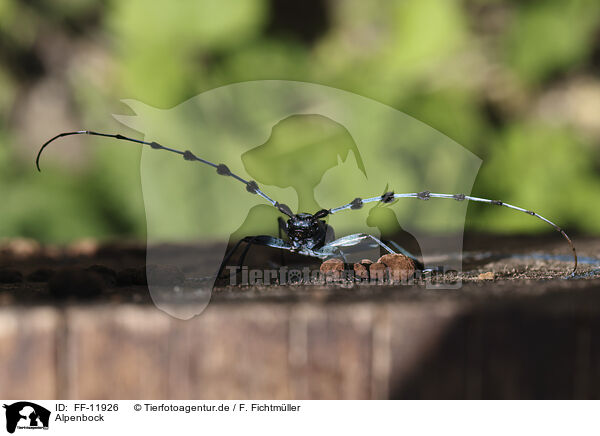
[[28, 353], [230, 352], [116, 352], [437, 348]]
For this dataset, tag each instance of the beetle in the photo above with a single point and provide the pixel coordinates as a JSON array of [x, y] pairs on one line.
[[307, 233]]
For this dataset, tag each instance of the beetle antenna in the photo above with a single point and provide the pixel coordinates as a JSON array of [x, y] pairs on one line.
[[389, 197], [222, 169]]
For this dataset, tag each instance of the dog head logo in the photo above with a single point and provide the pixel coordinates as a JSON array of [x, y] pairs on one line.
[[309, 146], [26, 415]]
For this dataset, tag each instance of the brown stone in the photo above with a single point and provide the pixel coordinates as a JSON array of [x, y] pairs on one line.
[[332, 268], [378, 271], [361, 270], [401, 267], [486, 276]]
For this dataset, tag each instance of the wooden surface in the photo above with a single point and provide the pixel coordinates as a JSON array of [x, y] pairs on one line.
[[537, 347], [526, 333]]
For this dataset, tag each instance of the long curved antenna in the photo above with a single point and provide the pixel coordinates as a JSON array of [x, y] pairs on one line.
[[222, 169], [388, 197]]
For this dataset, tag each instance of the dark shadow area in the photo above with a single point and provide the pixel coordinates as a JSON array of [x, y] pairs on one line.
[[543, 347]]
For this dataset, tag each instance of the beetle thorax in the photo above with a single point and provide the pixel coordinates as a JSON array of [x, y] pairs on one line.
[[306, 231]]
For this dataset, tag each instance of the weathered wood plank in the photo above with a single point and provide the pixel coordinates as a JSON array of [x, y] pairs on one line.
[[404, 349], [230, 352], [331, 351], [116, 352], [28, 353]]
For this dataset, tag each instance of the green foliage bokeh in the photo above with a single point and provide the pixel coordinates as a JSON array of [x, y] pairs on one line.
[[495, 76]]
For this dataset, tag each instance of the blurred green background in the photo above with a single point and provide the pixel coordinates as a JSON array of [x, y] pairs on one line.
[[516, 83]]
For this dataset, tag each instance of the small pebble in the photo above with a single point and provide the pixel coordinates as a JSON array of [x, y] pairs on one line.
[[332, 269], [486, 276], [401, 267], [8, 275], [361, 270], [378, 271]]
